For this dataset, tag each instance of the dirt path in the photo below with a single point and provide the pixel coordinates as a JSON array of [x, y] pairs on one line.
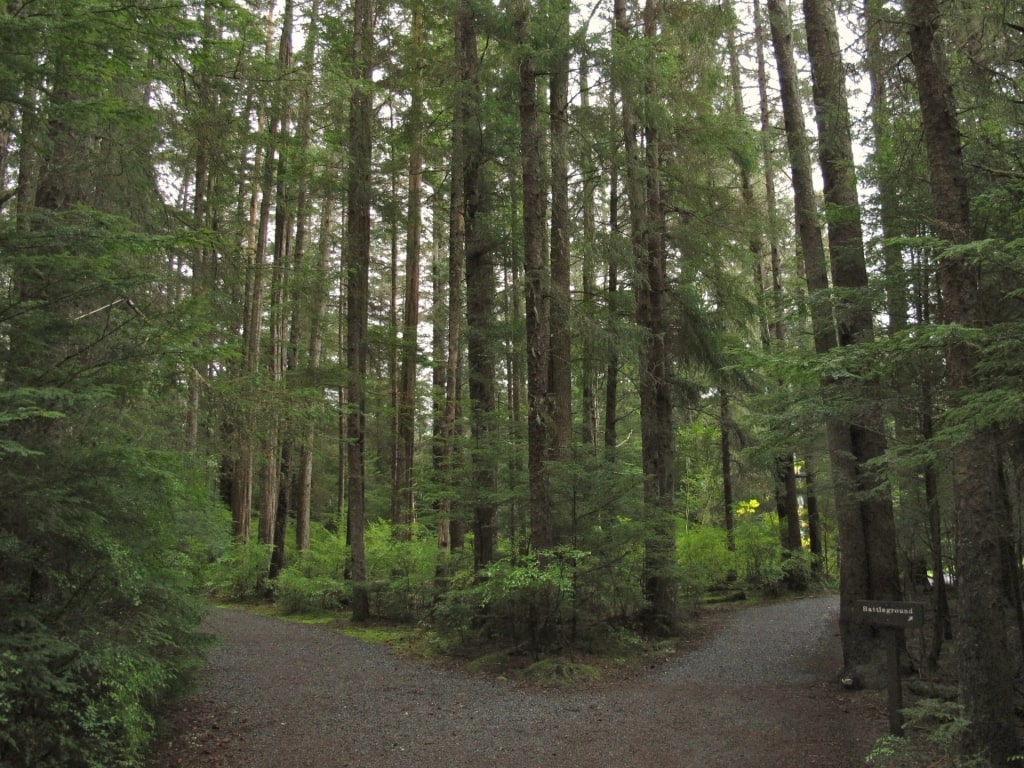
[[759, 693]]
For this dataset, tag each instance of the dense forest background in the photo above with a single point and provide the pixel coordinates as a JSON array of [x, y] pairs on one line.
[[531, 319]]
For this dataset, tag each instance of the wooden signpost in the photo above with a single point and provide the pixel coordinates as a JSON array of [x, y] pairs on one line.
[[893, 617]]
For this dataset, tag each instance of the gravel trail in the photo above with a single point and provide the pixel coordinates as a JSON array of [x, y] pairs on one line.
[[760, 693]]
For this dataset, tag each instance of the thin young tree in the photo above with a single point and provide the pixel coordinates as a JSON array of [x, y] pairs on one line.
[[273, 518], [402, 503], [588, 269], [308, 315], [773, 325], [560, 347]]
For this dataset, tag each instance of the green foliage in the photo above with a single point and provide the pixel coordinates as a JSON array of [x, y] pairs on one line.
[[528, 600], [101, 517], [797, 569], [758, 559], [512, 580], [240, 573], [933, 728], [597, 514], [20, 405], [315, 582], [295, 592], [97, 593], [892, 752], [400, 569], [705, 559], [700, 488], [758, 548]]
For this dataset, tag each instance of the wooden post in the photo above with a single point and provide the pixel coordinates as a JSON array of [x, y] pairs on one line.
[[894, 617], [895, 635]]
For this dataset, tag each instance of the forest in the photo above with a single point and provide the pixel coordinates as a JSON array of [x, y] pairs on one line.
[[532, 320]]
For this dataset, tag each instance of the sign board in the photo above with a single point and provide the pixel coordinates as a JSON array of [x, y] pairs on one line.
[[890, 613]]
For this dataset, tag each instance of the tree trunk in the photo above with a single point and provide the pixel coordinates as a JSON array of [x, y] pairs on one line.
[[441, 507], [611, 378], [853, 581], [302, 476], [588, 364], [273, 486], [560, 365], [656, 413], [403, 512], [359, 195], [853, 305], [450, 528], [983, 531], [773, 324], [867, 567], [538, 329], [318, 310], [725, 453], [480, 292], [814, 533]]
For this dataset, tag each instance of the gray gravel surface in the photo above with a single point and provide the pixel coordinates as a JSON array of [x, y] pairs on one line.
[[759, 693], [776, 644]]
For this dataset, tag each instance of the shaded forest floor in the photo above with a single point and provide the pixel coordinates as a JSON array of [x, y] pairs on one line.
[[756, 688]]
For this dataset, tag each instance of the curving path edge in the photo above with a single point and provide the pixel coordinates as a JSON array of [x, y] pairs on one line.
[[760, 693]]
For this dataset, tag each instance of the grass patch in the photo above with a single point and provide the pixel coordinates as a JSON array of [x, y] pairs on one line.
[[559, 672], [274, 611], [382, 635]]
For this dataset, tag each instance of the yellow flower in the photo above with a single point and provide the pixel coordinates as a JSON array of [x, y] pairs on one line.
[[748, 507]]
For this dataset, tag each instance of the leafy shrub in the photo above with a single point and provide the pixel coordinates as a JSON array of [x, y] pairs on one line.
[[608, 591], [240, 573], [400, 570], [933, 728], [99, 599], [758, 549], [455, 618], [316, 580], [797, 569], [295, 592], [528, 600], [327, 554], [704, 558]]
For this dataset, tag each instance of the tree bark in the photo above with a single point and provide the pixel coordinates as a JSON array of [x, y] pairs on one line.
[[403, 508], [359, 200], [273, 487], [857, 642], [480, 290], [537, 281], [872, 520], [863, 502], [588, 364], [560, 365], [611, 378], [725, 454], [773, 325], [302, 491], [450, 528], [984, 656], [647, 220]]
